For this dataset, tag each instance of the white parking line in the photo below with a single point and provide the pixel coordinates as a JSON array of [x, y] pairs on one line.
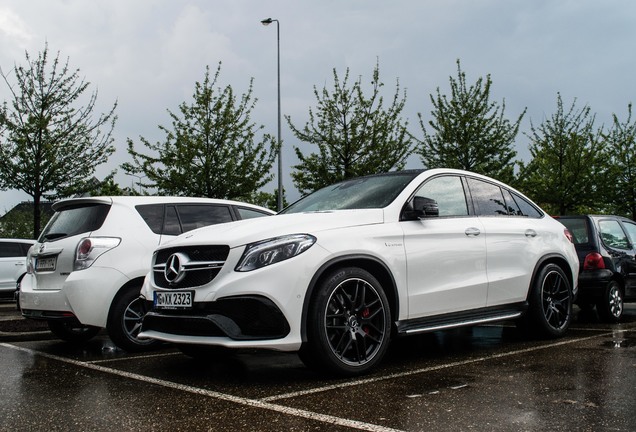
[[118, 359], [254, 403], [364, 381]]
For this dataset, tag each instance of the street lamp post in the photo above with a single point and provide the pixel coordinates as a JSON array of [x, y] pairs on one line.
[[132, 182], [265, 22]]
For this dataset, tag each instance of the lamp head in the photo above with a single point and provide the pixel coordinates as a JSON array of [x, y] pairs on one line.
[[267, 21]]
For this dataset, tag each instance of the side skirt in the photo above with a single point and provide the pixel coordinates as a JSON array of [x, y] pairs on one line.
[[460, 319]]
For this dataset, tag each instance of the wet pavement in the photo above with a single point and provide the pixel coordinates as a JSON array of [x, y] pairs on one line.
[[483, 378]]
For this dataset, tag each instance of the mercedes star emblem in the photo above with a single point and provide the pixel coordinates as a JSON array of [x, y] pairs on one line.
[[175, 268]]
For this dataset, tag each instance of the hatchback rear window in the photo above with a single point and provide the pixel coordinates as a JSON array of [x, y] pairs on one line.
[[70, 221], [578, 228]]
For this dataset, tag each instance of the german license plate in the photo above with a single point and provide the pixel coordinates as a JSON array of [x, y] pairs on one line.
[[173, 300], [45, 264]]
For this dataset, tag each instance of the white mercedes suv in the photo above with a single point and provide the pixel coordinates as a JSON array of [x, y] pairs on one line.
[[339, 273], [87, 268]]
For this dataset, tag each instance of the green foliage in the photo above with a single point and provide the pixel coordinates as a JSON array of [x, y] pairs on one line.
[[108, 187], [210, 150], [568, 162], [268, 200], [469, 132], [19, 224], [355, 134], [49, 145], [621, 142]]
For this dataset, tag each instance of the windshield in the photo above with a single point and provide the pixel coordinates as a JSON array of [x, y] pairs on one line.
[[376, 191]]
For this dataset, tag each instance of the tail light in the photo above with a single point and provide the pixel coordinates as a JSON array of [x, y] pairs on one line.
[[593, 261], [89, 249]]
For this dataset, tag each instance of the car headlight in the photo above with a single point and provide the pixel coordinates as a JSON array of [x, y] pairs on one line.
[[267, 252], [90, 248]]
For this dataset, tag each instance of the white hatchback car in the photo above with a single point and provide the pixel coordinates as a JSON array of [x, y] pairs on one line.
[[343, 270], [13, 254], [88, 265]]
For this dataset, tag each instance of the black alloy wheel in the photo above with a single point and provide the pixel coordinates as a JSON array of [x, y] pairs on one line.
[[550, 305], [351, 323]]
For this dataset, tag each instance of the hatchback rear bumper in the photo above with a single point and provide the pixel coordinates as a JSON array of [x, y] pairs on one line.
[[592, 284]]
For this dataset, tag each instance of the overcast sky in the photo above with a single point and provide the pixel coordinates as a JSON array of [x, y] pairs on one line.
[[148, 54]]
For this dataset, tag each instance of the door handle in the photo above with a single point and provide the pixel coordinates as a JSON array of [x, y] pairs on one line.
[[531, 233], [472, 232]]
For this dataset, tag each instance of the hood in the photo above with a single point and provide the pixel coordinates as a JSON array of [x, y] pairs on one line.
[[242, 232]]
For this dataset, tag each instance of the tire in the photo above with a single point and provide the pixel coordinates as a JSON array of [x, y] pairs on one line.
[[349, 324], [550, 303], [124, 322], [72, 332], [610, 307]]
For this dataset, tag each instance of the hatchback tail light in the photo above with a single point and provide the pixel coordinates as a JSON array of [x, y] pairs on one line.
[[89, 249], [593, 261]]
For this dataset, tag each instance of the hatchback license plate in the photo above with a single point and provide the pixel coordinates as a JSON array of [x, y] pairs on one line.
[[45, 264], [173, 300]]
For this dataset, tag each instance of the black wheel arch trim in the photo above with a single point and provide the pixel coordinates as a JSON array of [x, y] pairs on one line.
[[344, 261], [559, 260], [131, 284]]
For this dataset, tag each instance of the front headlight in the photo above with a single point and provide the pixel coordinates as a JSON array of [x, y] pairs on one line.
[[273, 250]]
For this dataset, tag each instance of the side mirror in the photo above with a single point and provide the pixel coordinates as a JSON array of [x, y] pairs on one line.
[[420, 207]]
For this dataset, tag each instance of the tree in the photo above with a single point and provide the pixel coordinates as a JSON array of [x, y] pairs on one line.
[[108, 187], [49, 145], [269, 200], [568, 160], [468, 131], [355, 134], [621, 142], [210, 149], [19, 224]]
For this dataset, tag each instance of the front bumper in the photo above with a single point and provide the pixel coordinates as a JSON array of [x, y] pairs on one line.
[[237, 318], [255, 309]]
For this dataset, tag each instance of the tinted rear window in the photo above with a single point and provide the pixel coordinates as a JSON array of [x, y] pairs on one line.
[[152, 214], [526, 208], [197, 216], [175, 219], [248, 213], [71, 221], [9, 249], [487, 198], [578, 228]]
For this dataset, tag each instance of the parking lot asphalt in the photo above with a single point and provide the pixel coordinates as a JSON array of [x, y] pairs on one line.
[[486, 378]]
